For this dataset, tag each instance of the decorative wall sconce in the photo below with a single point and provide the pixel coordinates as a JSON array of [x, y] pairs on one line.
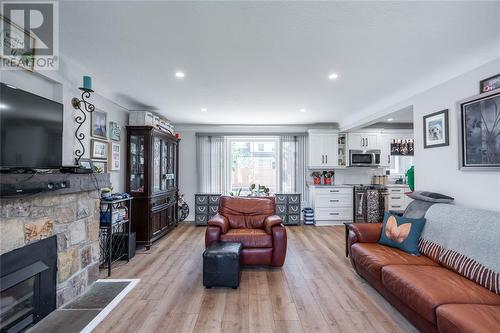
[[84, 106]]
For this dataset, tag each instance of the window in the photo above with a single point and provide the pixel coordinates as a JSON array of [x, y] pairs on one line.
[[400, 164], [253, 161], [228, 163]]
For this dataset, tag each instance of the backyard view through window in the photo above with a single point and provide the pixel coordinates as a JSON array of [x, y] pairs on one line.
[[253, 161]]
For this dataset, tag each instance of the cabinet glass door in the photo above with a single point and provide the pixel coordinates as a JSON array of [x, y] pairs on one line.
[[171, 166], [137, 163], [156, 164], [164, 165]]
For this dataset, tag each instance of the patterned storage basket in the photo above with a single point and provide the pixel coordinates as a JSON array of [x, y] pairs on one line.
[[308, 214]]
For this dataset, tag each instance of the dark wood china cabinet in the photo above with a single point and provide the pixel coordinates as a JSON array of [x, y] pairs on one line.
[[152, 178]]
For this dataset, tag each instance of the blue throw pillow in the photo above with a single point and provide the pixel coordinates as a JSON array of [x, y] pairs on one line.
[[402, 233]]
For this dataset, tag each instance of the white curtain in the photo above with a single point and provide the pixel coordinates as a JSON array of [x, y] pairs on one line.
[[212, 164], [293, 165]]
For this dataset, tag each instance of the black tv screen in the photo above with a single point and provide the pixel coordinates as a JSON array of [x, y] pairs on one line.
[[31, 130]]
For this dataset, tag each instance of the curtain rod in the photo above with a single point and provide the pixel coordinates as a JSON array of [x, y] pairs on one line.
[[251, 134]]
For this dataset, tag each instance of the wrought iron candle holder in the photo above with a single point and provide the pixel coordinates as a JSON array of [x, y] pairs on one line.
[[84, 106]]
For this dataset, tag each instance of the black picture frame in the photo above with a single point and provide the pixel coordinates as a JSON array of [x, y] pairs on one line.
[[489, 84], [478, 114], [442, 135], [86, 163]]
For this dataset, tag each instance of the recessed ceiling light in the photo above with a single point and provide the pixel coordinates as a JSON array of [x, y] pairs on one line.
[[3, 106], [203, 109], [333, 76], [179, 75], [302, 110], [390, 119]]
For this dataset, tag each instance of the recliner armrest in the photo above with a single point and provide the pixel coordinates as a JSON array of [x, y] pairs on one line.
[[279, 245], [219, 221], [366, 232], [212, 234], [270, 222]]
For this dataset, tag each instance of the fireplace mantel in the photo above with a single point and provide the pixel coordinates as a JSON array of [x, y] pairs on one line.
[[78, 182]]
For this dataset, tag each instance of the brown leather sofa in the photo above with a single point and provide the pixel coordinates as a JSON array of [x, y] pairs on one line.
[[432, 297], [252, 222]]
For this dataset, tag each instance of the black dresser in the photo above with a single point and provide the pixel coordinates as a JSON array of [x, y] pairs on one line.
[[206, 206]]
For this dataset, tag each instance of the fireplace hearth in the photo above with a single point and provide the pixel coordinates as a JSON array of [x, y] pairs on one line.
[[28, 284]]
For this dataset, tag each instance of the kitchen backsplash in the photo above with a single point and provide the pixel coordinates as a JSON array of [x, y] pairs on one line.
[[352, 175]]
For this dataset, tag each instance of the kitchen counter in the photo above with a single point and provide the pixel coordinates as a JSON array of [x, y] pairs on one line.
[[334, 185], [397, 185]]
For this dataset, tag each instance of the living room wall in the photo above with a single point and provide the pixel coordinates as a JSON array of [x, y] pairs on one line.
[[436, 169], [61, 86]]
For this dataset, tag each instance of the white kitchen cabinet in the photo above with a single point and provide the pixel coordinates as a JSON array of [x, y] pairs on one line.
[[385, 149], [398, 200], [323, 149], [385, 140], [332, 204], [363, 141]]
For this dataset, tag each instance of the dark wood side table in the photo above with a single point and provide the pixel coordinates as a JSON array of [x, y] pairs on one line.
[[347, 224]]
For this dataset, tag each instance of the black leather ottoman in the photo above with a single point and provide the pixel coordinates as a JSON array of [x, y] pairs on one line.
[[221, 265]]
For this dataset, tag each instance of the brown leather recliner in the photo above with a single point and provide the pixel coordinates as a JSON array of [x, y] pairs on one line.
[[253, 223]]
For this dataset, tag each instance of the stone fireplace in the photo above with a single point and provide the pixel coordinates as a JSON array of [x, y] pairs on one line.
[[70, 216]]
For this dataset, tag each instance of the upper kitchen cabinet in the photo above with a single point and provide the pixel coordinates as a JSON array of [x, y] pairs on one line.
[[385, 145], [363, 141], [323, 149]]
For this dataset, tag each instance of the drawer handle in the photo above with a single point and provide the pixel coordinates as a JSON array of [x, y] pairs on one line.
[[334, 213], [395, 197], [396, 190], [334, 200], [396, 206], [334, 191]]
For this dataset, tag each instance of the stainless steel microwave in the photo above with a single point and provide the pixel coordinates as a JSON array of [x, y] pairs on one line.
[[364, 158]]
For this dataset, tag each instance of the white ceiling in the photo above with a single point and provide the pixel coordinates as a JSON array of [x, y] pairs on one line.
[[260, 62], [398, 119]]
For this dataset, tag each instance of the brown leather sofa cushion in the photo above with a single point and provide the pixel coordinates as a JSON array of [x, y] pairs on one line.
[[372, 257], [468, 318], [424, 288], [250, 238], [246, 212]]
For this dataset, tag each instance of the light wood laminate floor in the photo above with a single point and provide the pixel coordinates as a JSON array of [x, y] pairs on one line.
[[316, 291]]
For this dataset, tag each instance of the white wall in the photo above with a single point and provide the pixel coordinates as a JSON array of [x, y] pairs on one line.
[[436, 169], [57, 86]]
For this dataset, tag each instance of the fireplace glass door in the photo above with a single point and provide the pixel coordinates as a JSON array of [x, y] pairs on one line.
[[17, 305]]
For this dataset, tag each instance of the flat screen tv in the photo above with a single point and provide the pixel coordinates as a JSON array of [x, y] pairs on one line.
[[31, 130]]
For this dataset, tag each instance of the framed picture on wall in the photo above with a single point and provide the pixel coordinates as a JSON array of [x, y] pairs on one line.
[[114, 158], [100, 166], [436, 131], [98, 149], [115, 131], [480, 132], [489, 84], [98, 123]]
